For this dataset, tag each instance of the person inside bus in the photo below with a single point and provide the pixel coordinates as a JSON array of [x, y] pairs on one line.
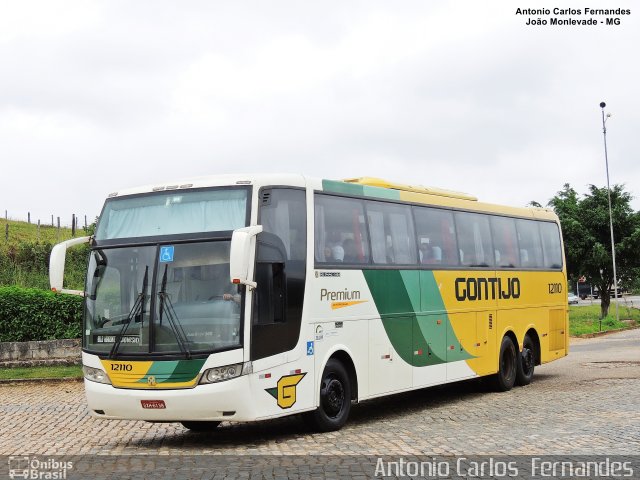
[[216, 285], [426, 253], [430, 255], [350, 251], [232, 296], [333, 251]]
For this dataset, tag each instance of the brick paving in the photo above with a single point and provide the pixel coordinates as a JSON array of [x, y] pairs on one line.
[[587, 403]]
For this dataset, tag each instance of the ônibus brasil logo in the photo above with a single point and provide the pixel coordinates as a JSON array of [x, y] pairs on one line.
[[24, 466]]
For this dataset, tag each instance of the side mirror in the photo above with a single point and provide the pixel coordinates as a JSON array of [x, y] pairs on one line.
[[56, 264], [243, 242]]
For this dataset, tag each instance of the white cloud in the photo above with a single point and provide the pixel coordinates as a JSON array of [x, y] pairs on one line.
[[95, 96]]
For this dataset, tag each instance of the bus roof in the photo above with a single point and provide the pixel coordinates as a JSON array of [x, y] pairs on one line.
[[379, 188], [378, 182], [361, 186]]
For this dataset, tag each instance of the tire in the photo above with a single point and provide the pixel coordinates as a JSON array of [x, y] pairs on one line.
[[526, 362], [201, 426], [507, 366], [335, 399]]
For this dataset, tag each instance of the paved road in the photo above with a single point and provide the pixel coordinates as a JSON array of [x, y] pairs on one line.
[[587, 403], [626, 301]]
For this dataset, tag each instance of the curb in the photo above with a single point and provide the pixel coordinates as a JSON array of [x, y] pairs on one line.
[[42, 362], [20, 381], [606, 332]]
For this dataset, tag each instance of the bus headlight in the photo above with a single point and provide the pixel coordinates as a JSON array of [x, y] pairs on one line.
[[95, 375], [220, 374]]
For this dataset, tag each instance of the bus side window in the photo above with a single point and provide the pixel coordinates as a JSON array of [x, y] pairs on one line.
[[340, 231], [505, 242], [551, 244], [474, 239], [391, 233], [436, 236], [530, 244]]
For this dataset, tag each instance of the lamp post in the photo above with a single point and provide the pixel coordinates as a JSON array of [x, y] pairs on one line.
[[613, 248]]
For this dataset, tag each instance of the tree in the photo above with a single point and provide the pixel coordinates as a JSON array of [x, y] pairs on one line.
[[587, 237]]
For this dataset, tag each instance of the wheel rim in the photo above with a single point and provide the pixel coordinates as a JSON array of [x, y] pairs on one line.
[[527, 361], [332, 397]]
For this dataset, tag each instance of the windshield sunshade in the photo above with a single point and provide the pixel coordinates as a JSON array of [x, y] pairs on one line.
[[175, 212]]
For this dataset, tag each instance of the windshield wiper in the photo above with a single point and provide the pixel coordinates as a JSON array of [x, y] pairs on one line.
[[167, 307], [136, 309]]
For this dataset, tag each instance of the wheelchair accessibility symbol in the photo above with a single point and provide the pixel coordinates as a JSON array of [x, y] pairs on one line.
[[166, 253]]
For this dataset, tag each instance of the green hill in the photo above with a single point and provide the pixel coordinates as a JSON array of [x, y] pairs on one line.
[[25, 250], [25, 232]]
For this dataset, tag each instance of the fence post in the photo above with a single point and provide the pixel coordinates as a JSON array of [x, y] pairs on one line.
[[52, 219], [6, 232], [73, 224], [29, 218], [38, 229], [58, 231]]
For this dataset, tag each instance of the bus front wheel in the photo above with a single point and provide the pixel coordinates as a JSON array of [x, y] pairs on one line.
[[335, 399], [507, 366], [201, 426]]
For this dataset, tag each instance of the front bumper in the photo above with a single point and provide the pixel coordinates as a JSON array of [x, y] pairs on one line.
[[228, 400]]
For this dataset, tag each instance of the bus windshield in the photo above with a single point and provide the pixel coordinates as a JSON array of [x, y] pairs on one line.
[[162, 299], [173, 212]]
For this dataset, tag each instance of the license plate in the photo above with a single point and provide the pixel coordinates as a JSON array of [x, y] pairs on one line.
[[153, 404]]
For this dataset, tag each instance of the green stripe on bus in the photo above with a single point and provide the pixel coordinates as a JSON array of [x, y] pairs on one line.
[[407, 301], [332, 186], [173, 371], [186, 370], [342, 187], [380, 192]]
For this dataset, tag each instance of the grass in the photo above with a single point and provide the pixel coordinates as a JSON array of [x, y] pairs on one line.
[[58, 371], [25, 232], [24, 256], [584, 320]]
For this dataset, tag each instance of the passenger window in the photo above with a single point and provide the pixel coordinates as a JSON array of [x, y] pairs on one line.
[[505, 242], [436, 236], [340, 231], [391, 233], [474, 240], [551, 244], [530, 245]]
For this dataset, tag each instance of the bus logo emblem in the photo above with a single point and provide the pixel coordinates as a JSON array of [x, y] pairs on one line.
[[151, 381], [285, 391]]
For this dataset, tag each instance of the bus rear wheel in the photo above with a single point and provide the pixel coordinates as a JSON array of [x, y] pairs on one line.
[[201, 426], [335, 399], [507, 366], [526, 362]]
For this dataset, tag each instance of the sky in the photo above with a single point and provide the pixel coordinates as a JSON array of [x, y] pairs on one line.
[[97, 96]]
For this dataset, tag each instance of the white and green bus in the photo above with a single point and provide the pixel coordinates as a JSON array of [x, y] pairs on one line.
[[240, 298]]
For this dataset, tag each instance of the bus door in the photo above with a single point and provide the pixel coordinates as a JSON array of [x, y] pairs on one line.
[[280, 272]]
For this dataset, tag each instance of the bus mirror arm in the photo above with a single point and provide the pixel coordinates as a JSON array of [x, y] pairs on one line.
[[243, 242], [56, 264]]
